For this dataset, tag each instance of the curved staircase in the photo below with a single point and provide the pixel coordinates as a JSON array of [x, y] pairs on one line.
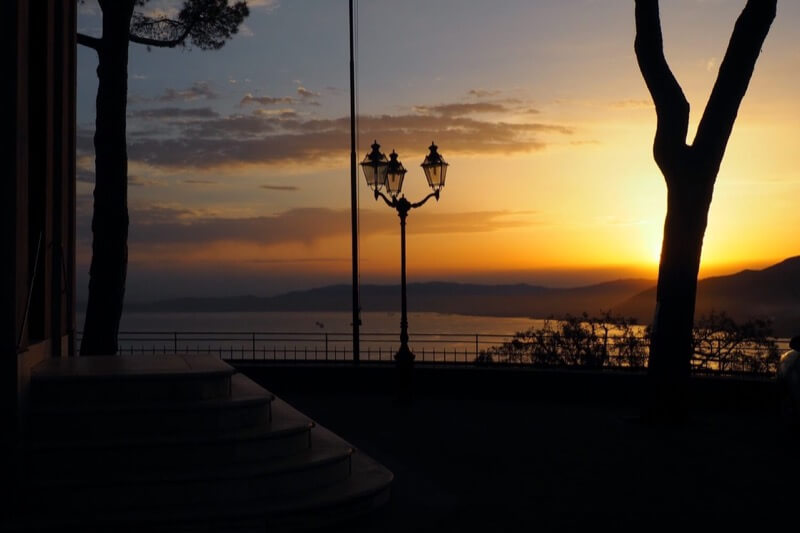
[[182, 443]]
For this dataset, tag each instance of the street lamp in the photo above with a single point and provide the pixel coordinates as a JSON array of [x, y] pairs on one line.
[[382, 173]]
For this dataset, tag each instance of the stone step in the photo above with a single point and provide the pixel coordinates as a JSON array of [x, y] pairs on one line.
[[167, 454], [366, 488], [247, 406], [326, 463], [124, 380]]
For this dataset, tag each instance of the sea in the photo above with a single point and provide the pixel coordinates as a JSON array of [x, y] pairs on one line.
[[438, 337], [333, 322], [313, 335]]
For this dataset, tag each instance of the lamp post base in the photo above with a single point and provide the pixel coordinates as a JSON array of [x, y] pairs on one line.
[[404, 356], [404, 360]]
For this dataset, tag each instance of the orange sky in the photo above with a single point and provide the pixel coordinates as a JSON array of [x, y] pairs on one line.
[[238, 158]]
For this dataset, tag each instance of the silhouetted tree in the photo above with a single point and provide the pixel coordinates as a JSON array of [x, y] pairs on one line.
[[690, 172], [730, 346], [606, 340], [207, 24]]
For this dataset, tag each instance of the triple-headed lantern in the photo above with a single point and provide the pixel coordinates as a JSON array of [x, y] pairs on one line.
[[389, 173]]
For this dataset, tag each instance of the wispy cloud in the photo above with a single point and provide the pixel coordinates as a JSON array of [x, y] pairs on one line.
[[164, 225], [460, 109], [136, 181], [281, 136], [199, 182], [264, 5], [306, 93], [279, 187], [282, 113], [632, 104], [482, 93], [84, 175], [174, 112], [265, 100], [198, 90]]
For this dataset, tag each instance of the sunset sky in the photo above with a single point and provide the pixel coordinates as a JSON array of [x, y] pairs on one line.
[[239, 158]]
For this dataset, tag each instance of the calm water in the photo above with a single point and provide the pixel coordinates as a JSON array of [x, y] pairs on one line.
[[334, 322], [323, 334]]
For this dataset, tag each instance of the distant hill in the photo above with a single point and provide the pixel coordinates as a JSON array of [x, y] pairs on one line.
[[468, 299], [773, 292]]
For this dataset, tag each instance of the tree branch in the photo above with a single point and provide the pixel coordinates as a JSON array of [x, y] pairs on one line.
[[172, 43], [734, 76], [672, 108], [145, 23], [91, 42]]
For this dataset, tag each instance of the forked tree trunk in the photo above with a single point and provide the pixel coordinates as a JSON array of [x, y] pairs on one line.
[[110, 220], [690, 173]]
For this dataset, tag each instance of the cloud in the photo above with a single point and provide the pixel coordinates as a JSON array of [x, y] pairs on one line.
[[294, 260], [632, 104], [482, 93], [279, 187], [307, 96], [161, 8], [283, 113], [234, 127], [264, 5], [266, 138], [84, 175], [136, 181], [460, 109], [198, 90], [174, 112], [306, 93], [265, 100], [164, 225], [199, 182]]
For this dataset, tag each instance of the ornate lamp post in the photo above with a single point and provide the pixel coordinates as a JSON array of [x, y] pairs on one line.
[[379, 173]]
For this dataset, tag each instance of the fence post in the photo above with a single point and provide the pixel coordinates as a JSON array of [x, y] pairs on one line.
[[476, 345], [254, 345], [174, 342], [326, 345]]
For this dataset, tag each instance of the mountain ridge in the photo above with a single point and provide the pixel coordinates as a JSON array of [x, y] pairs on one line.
[[772, 292]]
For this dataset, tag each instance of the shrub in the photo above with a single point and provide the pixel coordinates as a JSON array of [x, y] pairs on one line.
[[592, 342], [720, 344]]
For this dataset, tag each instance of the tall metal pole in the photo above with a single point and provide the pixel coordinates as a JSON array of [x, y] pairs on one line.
[[404, 299], [354, 196], [404, 356]]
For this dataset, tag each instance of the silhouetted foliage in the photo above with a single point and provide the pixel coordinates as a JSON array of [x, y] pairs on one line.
[[591, 342], [720, 345], [207, 24], [690, 172]]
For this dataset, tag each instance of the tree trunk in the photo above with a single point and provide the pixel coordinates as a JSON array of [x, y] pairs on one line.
[[110, 220], [671, 342], [690, 173]]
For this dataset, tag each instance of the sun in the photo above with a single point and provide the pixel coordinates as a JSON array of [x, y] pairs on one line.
[[654, 251]]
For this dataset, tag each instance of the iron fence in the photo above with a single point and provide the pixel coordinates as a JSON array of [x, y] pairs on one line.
[[441, 348]]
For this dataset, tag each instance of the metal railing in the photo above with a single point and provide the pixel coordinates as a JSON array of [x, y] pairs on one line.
[[306, 346], [441, 348]]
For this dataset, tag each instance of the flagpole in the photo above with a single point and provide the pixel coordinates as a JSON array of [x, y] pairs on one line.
[[354, 197]]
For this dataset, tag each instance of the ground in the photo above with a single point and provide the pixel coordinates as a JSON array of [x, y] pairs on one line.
[[470, 462]]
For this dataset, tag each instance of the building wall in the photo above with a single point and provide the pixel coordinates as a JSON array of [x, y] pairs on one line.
[[37, 197]]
